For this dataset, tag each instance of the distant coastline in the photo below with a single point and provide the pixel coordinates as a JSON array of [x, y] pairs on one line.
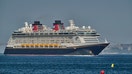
[[118, 49]]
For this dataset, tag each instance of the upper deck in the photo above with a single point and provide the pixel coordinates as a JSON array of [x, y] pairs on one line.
[[37, 29]]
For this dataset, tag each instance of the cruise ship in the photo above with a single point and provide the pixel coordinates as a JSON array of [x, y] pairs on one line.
[[39, 39]]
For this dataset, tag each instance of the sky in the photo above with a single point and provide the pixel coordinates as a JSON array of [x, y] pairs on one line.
[[111, 18]]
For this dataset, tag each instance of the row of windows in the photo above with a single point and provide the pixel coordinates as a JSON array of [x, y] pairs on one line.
[[86, 33], [43, 41], [26, 38], [22, 34]]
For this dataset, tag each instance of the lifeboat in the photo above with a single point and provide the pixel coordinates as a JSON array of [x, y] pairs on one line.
[[46, 45], [41, 45], [56, 45], [27, 45], [23, 45], [32, 45], [51, 45], [36, 45]]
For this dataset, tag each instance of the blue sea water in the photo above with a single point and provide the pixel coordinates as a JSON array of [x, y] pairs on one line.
[[66, 64]]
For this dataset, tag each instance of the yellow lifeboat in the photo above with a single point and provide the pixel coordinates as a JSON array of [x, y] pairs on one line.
[[56, 45], [41, 45], [36, 45], [23, 45], [27, 45], [51, 45], [46, 45], [32, 45]]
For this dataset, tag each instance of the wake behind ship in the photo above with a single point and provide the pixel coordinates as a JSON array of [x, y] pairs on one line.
[[38, 39]]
